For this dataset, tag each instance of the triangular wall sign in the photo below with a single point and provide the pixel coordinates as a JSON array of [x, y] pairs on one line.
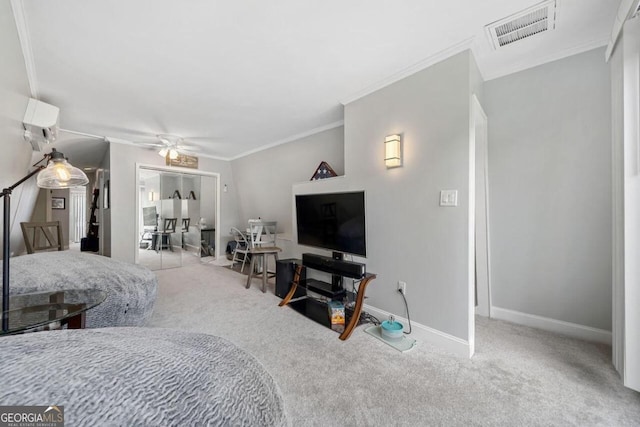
[[323, 171]]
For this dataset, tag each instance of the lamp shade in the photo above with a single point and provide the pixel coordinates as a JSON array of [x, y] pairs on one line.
[[60, 174], [392, 151]]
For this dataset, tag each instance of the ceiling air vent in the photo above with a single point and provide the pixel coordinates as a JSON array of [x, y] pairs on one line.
[[534, 20]]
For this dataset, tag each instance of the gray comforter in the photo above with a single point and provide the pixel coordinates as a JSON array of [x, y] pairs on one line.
[[131, 289], [139, 377]]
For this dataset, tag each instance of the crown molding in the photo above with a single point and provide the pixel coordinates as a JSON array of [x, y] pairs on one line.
[[524, 65], [425, 63], [626, 10], [291, 139], [25, 44], [121, 141]]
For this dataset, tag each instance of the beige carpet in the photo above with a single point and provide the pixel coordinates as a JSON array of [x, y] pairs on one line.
[[519, 376]]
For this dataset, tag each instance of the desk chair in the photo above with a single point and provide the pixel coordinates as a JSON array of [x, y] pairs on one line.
[[186, 223], [42, 236], [263, 244], [165, 235]]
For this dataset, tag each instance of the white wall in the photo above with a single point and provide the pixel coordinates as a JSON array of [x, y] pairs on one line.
[[124, 240], [625, 86], [550, 190], [16, 157], [264, 179], [207, 204]]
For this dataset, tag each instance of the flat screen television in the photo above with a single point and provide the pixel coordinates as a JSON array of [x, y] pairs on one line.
[[334, 221]]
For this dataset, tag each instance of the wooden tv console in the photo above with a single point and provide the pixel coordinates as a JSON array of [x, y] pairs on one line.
[[317, 310]]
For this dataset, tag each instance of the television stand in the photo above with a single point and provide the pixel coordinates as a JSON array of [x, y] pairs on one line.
[[317, 310]]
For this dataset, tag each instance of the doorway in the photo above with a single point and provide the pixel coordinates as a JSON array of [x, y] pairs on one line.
[[176, 218], [77, 214], [482, 254]]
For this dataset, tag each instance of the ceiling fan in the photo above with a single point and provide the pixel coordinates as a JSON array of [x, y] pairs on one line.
[[169, 145], [173, 145]]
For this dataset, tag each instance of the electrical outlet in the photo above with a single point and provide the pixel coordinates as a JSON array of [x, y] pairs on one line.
[[402, 287]]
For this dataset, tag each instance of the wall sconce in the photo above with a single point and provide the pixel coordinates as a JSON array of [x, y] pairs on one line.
[[151, 196], [392, 151]]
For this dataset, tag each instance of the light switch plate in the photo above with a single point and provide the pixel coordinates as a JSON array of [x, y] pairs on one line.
[[449, 198]]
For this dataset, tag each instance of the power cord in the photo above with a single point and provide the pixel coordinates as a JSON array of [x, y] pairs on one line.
[[369, 318], [407, 307]]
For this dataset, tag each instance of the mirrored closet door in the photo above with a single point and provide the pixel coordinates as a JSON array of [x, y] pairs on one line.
[[176, 224]]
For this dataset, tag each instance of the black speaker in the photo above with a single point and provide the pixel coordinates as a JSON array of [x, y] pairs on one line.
[[285, 269], [91, 244]]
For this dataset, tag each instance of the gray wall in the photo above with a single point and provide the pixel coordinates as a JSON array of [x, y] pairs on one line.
[[264, 179], [41, 211], [550, 190], [409, 236], [123, 161], [62, 215], [16, 157], [104, 216]]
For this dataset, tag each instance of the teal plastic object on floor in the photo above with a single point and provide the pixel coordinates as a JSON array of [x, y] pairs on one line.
[[391, 329], [402, 344]]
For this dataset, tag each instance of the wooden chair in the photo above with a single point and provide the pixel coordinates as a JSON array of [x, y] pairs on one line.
[[186, 223], [170, 225], [241, 250], [263, 244], [42, 236]]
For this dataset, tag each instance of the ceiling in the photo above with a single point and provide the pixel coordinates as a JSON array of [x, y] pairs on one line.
[[235, 76]]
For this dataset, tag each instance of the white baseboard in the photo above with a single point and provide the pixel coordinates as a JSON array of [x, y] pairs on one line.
[[424, 333], [573, 330]]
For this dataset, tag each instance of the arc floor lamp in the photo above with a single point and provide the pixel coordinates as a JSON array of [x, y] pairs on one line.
[[57, 173]]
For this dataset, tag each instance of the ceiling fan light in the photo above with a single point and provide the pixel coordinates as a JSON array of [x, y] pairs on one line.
[[173, 154], [163, 152]]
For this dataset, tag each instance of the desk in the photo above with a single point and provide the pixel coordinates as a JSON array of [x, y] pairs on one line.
[[207, 241], [51, 310], [161, 240]]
